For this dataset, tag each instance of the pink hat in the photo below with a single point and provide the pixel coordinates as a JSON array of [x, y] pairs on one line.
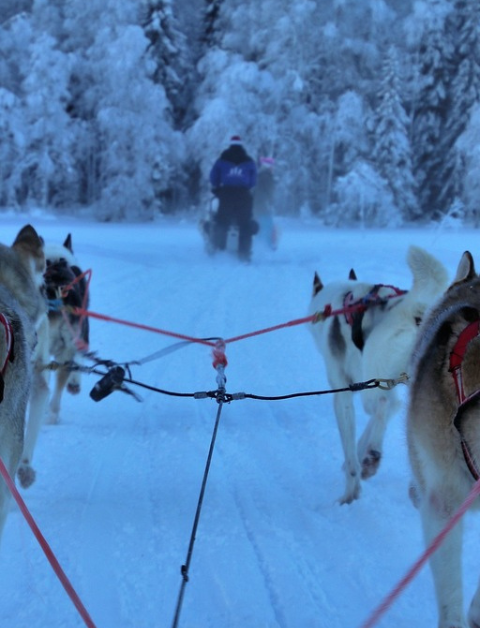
[[236, 139], [267, 161]]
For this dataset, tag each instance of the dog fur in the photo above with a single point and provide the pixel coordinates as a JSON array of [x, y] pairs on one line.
[[69, 333], [436, 423], [379, 347], [23, 306]]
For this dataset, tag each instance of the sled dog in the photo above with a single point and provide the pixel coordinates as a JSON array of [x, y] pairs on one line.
[[66, 287], [22, 316], [443, 432], [370, 335]]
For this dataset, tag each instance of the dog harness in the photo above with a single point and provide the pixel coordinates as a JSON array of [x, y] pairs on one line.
[[455, 367], [353, 310], [372, 298], [7, 326]]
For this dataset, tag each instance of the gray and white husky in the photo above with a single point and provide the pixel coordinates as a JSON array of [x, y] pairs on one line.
[[66, 288], [443, 432], [23, 315], [371, 338]]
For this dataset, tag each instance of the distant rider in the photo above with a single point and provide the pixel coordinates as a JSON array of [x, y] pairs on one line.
[[232, 178], [264, 201]]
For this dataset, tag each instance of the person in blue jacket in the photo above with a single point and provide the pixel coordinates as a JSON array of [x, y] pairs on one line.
[[232, 178]]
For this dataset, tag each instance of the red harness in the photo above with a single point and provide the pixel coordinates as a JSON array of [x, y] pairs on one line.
[[458, 353], [456, 358], [352, 307], [7, 326]]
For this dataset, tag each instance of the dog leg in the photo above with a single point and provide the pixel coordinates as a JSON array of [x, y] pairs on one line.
[[38, 404], [61, 378], [370, 445], [4, 504], [10, 461], [446, 562], [345, 413]]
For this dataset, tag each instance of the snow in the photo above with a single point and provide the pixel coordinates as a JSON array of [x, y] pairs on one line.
[[118, 480]]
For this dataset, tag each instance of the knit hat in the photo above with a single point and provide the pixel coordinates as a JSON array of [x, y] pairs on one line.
[[235, 139], [267, 161]]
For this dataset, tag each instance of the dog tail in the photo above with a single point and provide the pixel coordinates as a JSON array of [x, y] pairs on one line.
[[430, 278]]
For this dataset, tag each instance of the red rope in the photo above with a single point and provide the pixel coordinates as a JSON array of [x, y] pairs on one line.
[[431, 549], [79, 343], [47, 550], [298, 321], [111, 319]]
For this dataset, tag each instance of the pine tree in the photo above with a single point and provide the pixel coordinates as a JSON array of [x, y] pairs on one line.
[[168, 51], [462, 27], [392, 152], [431, 113], [211, 32]]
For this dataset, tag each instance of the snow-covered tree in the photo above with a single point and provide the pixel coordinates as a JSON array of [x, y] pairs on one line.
[[138, 150], [364, 197], [468, 146], [463, 29], [169, 54], [391, 143], [42, 170], [211, 17], [431, 109]]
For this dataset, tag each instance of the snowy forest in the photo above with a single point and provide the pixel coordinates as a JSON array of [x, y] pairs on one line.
[[370, 109]]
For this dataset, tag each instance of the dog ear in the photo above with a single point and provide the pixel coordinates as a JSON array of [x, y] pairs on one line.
[[28, 238], [465, 270], [68, 243], [317, 284], [352, 275], [29, 246]]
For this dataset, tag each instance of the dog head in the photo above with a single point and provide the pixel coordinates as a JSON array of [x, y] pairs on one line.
[[62, 271]]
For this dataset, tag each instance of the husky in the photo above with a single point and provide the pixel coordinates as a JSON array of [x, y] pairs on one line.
[[443, 432], [370, 335], [23, 313], [66, 287]]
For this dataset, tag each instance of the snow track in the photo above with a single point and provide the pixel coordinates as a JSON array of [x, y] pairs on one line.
[[118, 481]]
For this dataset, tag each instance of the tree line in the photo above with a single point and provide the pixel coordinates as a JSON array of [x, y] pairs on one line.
[[370, 109]]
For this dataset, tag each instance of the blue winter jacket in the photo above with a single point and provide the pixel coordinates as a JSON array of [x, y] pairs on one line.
[[234, 168]]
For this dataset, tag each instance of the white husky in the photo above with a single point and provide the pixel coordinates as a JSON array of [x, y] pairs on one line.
[[371, 338], [443, 430]]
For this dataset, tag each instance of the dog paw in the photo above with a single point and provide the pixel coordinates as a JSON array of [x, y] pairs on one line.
[[349, 498], [370, 464], [353, 489], [474, 612], [73, 388], [53, 417], [26, 475]]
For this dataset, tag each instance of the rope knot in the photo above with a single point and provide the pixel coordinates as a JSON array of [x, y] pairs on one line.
[[219, 357], [319, 317]]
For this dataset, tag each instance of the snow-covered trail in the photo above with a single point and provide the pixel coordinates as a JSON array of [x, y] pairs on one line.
[[118, 481]]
